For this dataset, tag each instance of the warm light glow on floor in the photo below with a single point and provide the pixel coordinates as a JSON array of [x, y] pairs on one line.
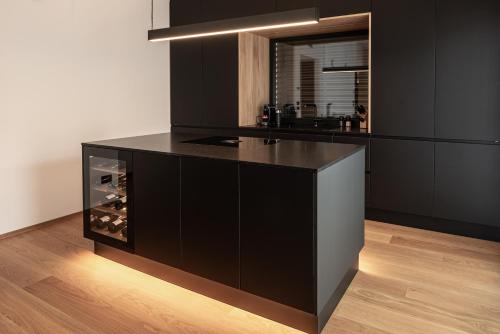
[[145, 291]]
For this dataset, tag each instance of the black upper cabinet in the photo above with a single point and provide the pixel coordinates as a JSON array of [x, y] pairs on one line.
[[403, 67], [402, 176], [225, 9], [157, 207], [185, 12], [284, 5], [468, 71], [220, 81], [330, 8], [277, 228], [186, 87], [209, 211], [468, 183]]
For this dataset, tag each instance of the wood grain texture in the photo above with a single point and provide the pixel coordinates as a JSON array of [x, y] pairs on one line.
[[410, 281], [327, 25], [254, 80]]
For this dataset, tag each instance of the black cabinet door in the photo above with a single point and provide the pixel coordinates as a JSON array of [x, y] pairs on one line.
[[468, 183], [283, 5], [209, 211], [402, 176], [330, 8], [468, 71], [157, 207], [225, 9], [277, 228], [186, 82], [403, 75], [185, 12], [220, 81]]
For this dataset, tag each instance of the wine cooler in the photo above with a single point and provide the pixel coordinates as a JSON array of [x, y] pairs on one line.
[[107, 194]]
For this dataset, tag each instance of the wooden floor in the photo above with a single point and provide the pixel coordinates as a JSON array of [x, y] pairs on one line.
[[410, 281]]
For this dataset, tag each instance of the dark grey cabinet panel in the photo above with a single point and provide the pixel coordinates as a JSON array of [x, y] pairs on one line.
[[468, 183], [356, 141], [220, 81], [329, 8], [402, 176], [277, 228], [157, 207], [209, 211], [283, 5], [186, 83], [185, 12], [468, 71], [403, 67], [224, 9], [366, 143]]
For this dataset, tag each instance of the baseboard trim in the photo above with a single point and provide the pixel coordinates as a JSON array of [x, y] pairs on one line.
[[470, 230], [37, 226]]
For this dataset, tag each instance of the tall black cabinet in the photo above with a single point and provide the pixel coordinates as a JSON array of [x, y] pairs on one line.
[[468, 70], [403, 51], [204, 82]]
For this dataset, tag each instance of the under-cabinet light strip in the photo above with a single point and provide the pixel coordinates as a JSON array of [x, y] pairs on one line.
[[234, 31]]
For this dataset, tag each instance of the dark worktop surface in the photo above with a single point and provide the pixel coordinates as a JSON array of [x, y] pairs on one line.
[[286, 153]]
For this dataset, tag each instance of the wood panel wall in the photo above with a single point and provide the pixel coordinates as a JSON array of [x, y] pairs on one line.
[[254, 76]]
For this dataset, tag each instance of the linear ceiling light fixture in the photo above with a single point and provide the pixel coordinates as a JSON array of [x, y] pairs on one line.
[[276, 20]]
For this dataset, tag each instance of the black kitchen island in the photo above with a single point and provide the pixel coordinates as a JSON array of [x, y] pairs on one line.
[[274, 227]]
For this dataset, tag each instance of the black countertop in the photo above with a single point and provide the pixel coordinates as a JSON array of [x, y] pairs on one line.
[[287, 153], [319, 130]]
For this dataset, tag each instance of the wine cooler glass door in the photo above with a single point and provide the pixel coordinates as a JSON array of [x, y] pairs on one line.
[[107, 212]]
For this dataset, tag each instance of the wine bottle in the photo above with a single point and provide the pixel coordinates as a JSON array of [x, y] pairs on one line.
[[119, 204], [103, 221], [116, 225], [124, 232]]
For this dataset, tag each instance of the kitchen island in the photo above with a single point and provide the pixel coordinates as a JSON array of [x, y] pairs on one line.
[[274, 227]]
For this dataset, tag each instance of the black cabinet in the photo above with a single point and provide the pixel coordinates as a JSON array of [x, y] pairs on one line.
[[186, 83], [283, 5], [225, 9], [330, 8], [204, 82], [220, 81], [402, 176], [209, 211], [468, 53], [184, 12], [157, 207], [468, 183], [277, 229], [403, 67]]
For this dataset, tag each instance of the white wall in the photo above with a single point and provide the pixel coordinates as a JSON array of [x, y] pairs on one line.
[[72, 71]]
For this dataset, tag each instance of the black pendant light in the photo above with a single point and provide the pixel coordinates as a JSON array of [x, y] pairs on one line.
[[275, 20]]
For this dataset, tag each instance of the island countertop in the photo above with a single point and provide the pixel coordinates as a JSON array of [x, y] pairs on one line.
[[286, 153]]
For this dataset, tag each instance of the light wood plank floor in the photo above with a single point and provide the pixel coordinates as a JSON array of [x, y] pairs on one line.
[[410, 281]]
